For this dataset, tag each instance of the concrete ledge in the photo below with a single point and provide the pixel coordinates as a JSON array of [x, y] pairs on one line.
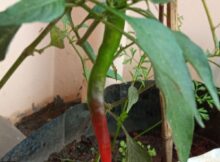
[[51, 137], [9, 136], [75, 122]]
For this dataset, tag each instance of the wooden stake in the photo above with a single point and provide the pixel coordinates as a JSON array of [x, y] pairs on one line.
[[167, 155], [161, 13], [172, 15]]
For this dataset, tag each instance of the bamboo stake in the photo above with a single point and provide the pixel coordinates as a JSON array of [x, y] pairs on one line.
[[166, 130], [161, 13], [172, 15], [167, 154]]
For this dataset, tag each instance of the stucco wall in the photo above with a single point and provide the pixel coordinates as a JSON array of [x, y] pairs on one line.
[[59, 72], [31, 86], [195, 25], [42, 77], [32, 83]]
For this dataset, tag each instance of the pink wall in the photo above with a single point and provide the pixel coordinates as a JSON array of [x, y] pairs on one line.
[[59, 72]]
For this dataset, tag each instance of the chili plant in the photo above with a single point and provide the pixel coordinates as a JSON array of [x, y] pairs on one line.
[[167, 50]]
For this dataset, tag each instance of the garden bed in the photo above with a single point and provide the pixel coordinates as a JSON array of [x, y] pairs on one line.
[[71, 131], [86, 149], [36, 120]]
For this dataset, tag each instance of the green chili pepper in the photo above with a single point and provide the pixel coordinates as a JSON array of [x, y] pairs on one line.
[[109, 46]]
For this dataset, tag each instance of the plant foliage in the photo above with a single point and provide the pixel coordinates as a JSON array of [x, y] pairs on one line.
[[167, 50], [160, 1], [26, 11], [6, 35]]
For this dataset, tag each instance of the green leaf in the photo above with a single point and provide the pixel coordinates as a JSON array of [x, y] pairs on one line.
[[6, 35], [114, 75], [197, 58], [57, 37], [160, 1], [32, 10], [173, 79], [132, 97], [136, 153]]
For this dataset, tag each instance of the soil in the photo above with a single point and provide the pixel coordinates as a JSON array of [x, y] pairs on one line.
[[34, 121], [85, 150]]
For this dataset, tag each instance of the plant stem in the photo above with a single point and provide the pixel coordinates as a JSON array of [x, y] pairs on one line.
[[123, 100], [116, 119], [141, 12], [88, 32], [216, 64], [106, 22], [66, 160], [97, 157], [13, 68], [148, 129], [26, 52], [211, 24], [147, 3], [119, 124], [43, 49], [121, 120], [122, 49], [80, 57], [83, 45], [217, 26]]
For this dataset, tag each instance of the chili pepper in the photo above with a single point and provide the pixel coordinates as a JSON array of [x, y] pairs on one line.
[[109, 46]]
